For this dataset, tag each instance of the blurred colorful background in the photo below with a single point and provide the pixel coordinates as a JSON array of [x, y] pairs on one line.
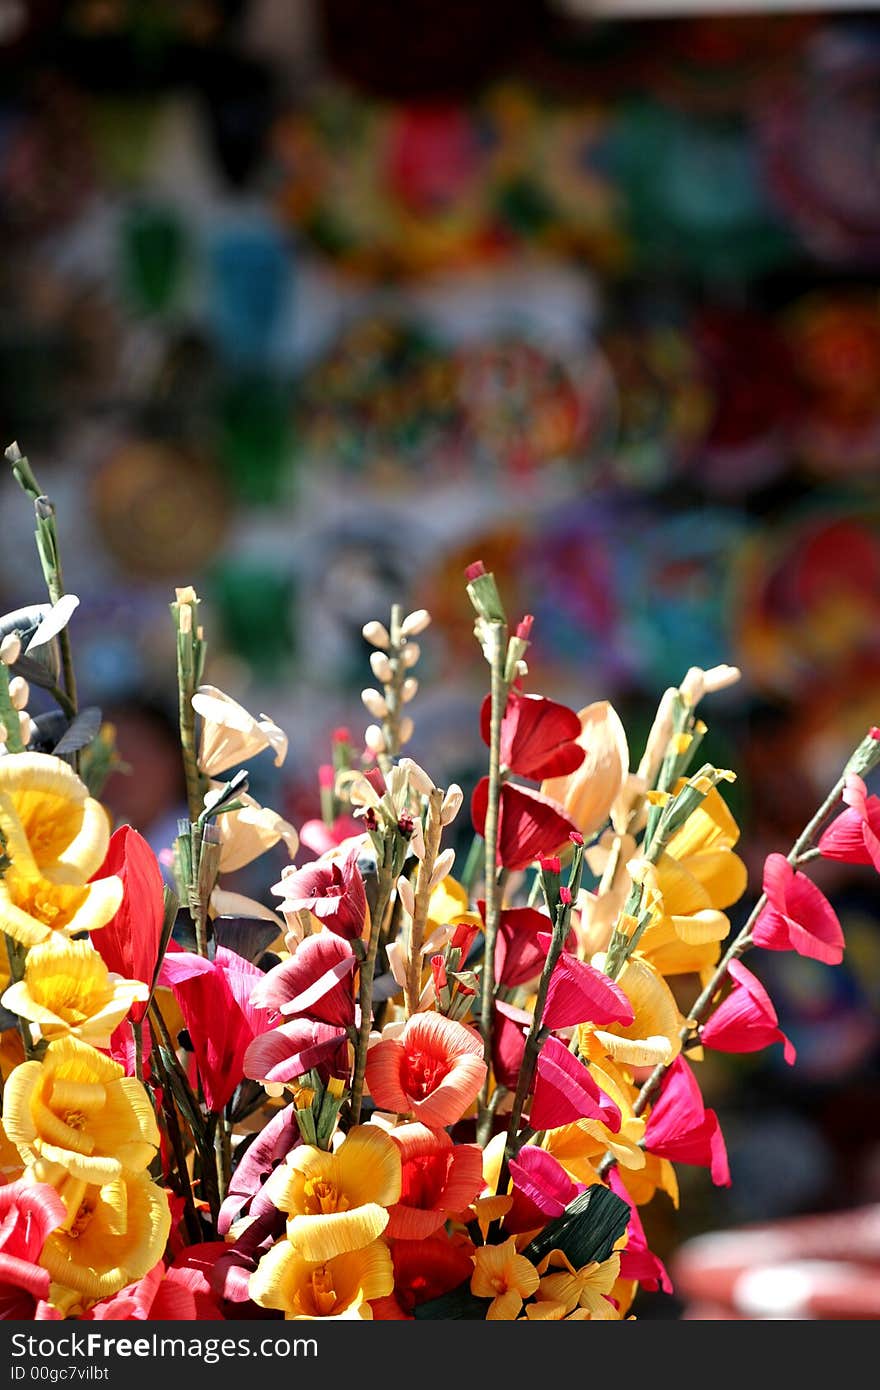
[[311, 303]]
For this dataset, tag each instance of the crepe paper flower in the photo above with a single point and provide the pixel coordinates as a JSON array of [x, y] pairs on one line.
[[438, 1180], [510, 1026], [580, 993], [703, 846], [652, 1035], [681, 1129], [655, 1175], [28, 1213], [56, 838], [589, 792], [585, 1288], [130, 942], [67, 989], [581, 1145], [77, 1110], [113, 1234], [565, 1091], [315, 982], [433, 1069], [214, 998], [337, 1202], [338, 1287], [746, 1020], [320, 837], [537, 736], [231, 1272], [685, 945], [247, 833], [260, 1159], [282, 1054], [424, 1270], [798, 916], [332, 891], [854, 836], [449, 904], [519, 954], [637, 1262], [541, 1190], [230, 735], [179, 1293], [529, 824], [504, 1276]]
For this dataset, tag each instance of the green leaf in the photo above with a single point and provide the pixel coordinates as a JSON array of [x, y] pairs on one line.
[[459, 1303], [586, 1231]]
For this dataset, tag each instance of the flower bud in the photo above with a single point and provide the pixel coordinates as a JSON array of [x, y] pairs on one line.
[[375, 703], [406, 895], [10, 649], [374, 739], [451, 804], [381, 667], [19, 691], [441, 868], [415, 622], [376, 634], [407, 728], [410, 654], [409, 689], [416, 776]]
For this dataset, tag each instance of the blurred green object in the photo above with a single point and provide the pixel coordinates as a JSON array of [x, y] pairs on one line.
[[255, 438], [255, 604], [154, 253]]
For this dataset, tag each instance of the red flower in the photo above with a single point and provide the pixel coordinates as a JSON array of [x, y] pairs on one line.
[[681, 1129], [284, 1053], [129, 944], [214, 998], [746, 1020], [439, 1180], [509, 1028], [529, 824], [435, 1069], [565, 1092], [314, 983], [424, 1269], [519, 955], [333, 892], [29, 1212], [854, 837], [537, 736], [798, 916], [579, 993]]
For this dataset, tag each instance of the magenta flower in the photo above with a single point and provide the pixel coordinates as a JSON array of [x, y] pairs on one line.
[[798, 916], [29, 1212], [746, 1020], [579, 993], [314, 983], [681, 1129], [854, 837], [284, 1053], [565, 1092], [541, 1190], [637, 1261], [332, 891]]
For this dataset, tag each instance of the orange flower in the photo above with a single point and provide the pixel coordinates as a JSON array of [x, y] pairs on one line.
[[505, 1277], [434, 1070], [439, 1180]]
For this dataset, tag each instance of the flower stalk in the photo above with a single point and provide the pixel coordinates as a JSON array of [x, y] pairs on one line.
[[432, 835]]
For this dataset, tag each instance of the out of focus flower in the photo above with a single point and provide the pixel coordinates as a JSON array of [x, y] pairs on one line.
[[433, 1069], [854, 836], [798, 916], [746, 1020], [67, 989]]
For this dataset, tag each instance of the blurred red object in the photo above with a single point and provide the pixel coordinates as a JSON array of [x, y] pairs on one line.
[[811, 1267]]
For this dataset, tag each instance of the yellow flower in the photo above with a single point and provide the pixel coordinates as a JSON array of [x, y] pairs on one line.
[[68, 990], [339, 1287], [504, 1276], [653, 1035], [77, 1112], [114, 1233], [704, 847], [338, 1201], [643, 1183], [582, 1288], [577, 1145], [230, 735], [589, 793], [55, 836]]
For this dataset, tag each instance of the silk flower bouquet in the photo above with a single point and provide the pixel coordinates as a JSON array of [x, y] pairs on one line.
[[402, 1095]]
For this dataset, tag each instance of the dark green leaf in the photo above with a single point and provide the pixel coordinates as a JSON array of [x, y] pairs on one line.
[[586, 1231], [84, 728], [459, 1303]]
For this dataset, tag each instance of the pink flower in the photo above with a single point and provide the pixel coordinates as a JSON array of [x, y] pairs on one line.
[[283, 1054], [565, 1092], [854, 837], [798, 916], [214, 998], [333, 892], [29, 1212], [509, 1028], [434, 1069], [579, 993], [537, 736], [180, 1293], [637, 1261], [314, 983], [318, 836], [681, 1129], [541, 1190], [261, 1157], [529, 824], [746, 1020], [129, 944], [439, 1180]]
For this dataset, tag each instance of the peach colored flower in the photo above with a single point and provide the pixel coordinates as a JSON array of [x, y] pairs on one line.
[[434, 1070]]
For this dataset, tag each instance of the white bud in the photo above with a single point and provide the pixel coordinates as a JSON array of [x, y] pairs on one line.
[[381, 667], [720, 677], [406, 895], [27, 728], [416, 776], [522, 667], [376, 634], [451, 804], [410, 654], [409, 689], [374, 739], [406, 729], [417, 841], [10, 649], [19, 692], [442, 868], [375, 703], [416, 622]]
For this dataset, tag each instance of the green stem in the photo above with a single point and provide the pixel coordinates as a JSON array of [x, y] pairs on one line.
[[498, 696], [222, 1154], [17, 955], [172, 1128], [365, 993], [433, 832]]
